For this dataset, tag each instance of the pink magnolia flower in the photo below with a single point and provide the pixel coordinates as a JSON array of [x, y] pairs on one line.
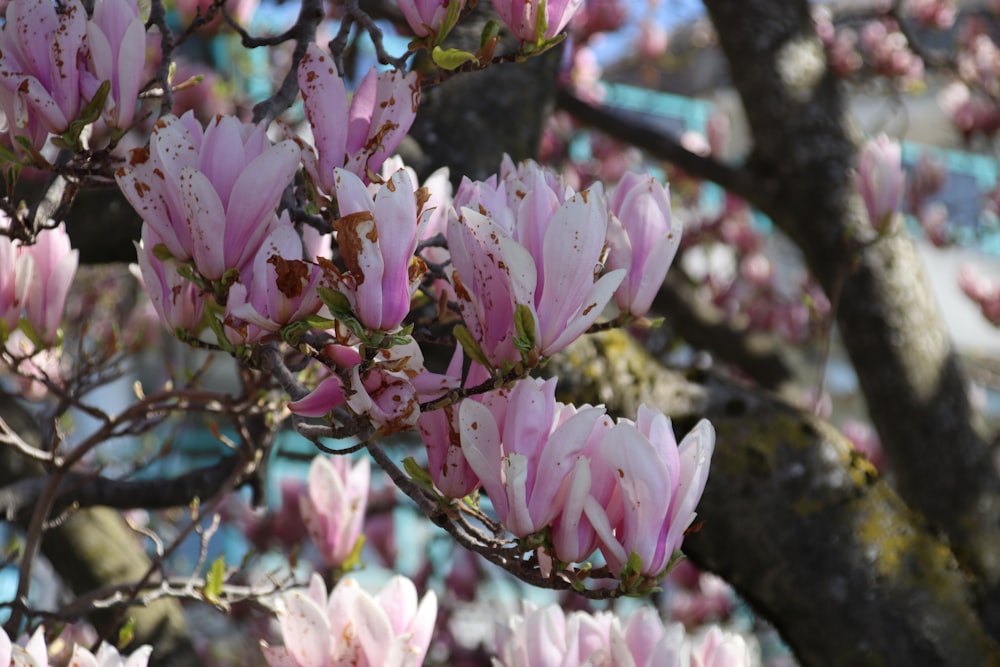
[[983, 291], [378, 117], [14, 281], [40, 50], [645, 641], [177, 301], [534, 20], [377, 240], [720, 649], [281, 288], [115, 38], [550, 637], [643, 240], [522, 445], [27, 652], [439, 431], [880, 180], [211, 194], [334, 508], [328, 395], [54, 267], [539, 250], [108, 656], [652, 467], [426, 16], [352, 627], [386, 392]]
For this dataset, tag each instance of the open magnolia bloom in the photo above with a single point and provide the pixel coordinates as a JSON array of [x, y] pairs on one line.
[[353, 627]]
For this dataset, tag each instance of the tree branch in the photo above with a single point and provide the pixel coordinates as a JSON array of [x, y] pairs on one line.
[[659, 145]]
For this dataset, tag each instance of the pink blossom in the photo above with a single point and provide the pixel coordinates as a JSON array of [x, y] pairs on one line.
[[27, 652], [378, 117], [720, 649], [550, 637], [334, 508], [177, 301], [536, 20], [39, 69], [983, 291], [108, 656], [211, 194], [115, 37], [327, 396], [439, 431], [281, 288], [54, 267], [643, 239], [14, 281], [522, 445], [426, 16], [386, 392], [352, 627], [377, 240], [540, 249], [652, 467], [936, 14], [880, 180]]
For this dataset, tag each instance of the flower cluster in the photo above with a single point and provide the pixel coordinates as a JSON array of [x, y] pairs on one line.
[[549, 636], [626, 488], [353, 627], [527, 255], [54, 63]]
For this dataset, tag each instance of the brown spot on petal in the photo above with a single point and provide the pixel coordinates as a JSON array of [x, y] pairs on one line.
[[292, 273], [349, 239]]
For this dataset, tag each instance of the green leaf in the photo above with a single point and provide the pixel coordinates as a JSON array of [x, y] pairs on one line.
[[417, 474], [90, 112], [214, 580], [490, 30], [542, 22], [29, 330], [450, 19], [353, 560], [126, 634], [451, 59], [162, 252], [336, 302], [319, 322], [470, 345], [524, 323]]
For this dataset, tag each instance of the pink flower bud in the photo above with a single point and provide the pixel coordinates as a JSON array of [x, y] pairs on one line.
[[426, 16], [334, 508], [880, 180], [14, 281], [54, 267], [115, 37], [643, 239], [529, 20]]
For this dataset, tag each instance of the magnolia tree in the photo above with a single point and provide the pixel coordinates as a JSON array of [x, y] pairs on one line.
[[449, 337]]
